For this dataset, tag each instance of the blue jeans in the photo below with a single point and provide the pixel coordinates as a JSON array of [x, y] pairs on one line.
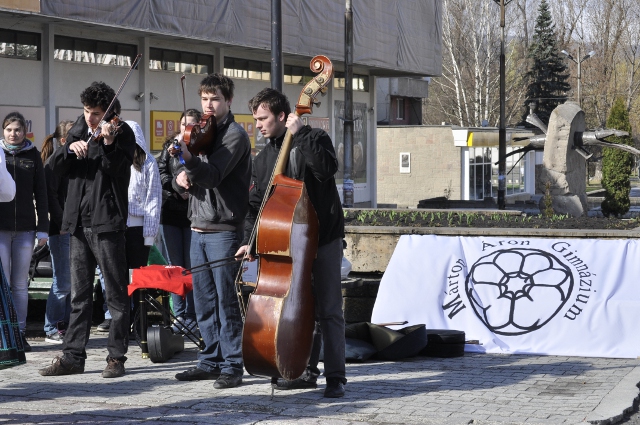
[[216, 302], [16, 249], [59, 301], [89, 249], [105, 308], [177, 244]]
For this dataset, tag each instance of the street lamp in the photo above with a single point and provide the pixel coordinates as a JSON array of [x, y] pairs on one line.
[[579, 62], [502, 129]]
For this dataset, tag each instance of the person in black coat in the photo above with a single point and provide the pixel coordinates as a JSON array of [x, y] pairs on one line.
[[313, 160], [59, 300], [18, 226], [175, 223], [95, 214]]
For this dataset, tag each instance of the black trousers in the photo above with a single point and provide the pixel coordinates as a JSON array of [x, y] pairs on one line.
[[107, 250]]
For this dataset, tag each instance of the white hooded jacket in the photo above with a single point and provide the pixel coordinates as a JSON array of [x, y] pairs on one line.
[[145, 192]]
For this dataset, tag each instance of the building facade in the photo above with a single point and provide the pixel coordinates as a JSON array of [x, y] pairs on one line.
[[50, 50]]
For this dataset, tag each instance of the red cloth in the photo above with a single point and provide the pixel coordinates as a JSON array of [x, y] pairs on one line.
[[168, 278]]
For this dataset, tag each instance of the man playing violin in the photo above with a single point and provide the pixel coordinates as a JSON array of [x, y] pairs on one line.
[[95, 213], [218, 187], [313, 160]]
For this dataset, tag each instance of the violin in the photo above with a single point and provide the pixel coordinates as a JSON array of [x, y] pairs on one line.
[[115, 121], [200, 137], [116, 128]]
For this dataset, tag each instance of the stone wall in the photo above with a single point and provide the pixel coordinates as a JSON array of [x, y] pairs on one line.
[[435, 164]]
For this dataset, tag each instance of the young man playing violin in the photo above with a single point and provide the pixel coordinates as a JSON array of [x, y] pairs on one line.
[[95, 214], [313, 160], [218, 187]]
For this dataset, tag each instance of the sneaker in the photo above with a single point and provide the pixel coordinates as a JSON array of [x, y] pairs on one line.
[[334, 389], [58, 368], [227, 381], [55, 338], [25, 344], [114, 369], [296, 384], [197, 374], [104, 326]]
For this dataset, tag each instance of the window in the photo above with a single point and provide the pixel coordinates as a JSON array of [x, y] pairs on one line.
[[242, 68], [19, 44], [93, 51], [399, 108], [483, 172], [178, 61], [360, 82]]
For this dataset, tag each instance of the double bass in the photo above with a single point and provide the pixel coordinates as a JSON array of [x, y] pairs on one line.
[[280, 316]]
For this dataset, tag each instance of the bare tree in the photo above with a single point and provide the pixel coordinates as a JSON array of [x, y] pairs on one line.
[[467, 92]]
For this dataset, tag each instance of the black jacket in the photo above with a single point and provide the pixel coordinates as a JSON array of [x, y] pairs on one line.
[[219, 193], [57, 194], [174, 208], [106, 169], [313, 160], [18, 215]]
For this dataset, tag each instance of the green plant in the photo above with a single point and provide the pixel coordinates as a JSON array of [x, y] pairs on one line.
[[548, 75], [617, 164], [392, 215], [362, 216]]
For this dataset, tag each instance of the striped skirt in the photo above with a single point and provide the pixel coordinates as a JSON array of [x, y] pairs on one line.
[[11, 350]]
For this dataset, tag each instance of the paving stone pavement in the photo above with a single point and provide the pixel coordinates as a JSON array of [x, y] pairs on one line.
[[474, 389]]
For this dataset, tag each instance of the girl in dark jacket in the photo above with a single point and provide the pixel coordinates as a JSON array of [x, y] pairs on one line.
[[59, 300], [175, 224], [18, 229]]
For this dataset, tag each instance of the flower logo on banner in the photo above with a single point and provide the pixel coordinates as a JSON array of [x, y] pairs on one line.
[[517, 291]]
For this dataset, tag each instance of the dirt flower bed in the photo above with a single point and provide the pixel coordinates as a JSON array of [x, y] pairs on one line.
[[418, 218]]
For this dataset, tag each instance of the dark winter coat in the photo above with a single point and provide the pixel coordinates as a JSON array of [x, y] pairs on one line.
[[219, 195], [57, 187], [19, 215], [313, 160], [174, 208], [106, 170]]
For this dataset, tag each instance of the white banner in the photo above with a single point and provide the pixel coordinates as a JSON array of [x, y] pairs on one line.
[[573, 297]]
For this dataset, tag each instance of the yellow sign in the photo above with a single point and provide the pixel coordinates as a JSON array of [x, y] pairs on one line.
[[249, 125], [163, 125]]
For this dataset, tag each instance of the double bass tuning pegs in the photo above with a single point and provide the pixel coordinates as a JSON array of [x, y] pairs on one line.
[[315, 103], [323, 91]]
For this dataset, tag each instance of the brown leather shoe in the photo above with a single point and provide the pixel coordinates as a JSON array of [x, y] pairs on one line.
[[58, 368], [114, 369]]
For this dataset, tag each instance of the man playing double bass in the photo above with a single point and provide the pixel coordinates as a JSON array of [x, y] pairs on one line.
[[313, 160]]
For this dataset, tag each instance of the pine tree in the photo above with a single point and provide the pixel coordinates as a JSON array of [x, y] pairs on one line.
[[617, 164], [548, 73]]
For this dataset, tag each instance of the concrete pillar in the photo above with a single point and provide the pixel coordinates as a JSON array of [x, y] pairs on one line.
[[48, 34]]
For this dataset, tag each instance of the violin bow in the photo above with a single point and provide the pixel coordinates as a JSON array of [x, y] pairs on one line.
[[134, 65], [176, 145]]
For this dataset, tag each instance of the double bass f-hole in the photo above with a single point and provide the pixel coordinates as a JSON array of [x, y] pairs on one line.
[[280, 316]]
